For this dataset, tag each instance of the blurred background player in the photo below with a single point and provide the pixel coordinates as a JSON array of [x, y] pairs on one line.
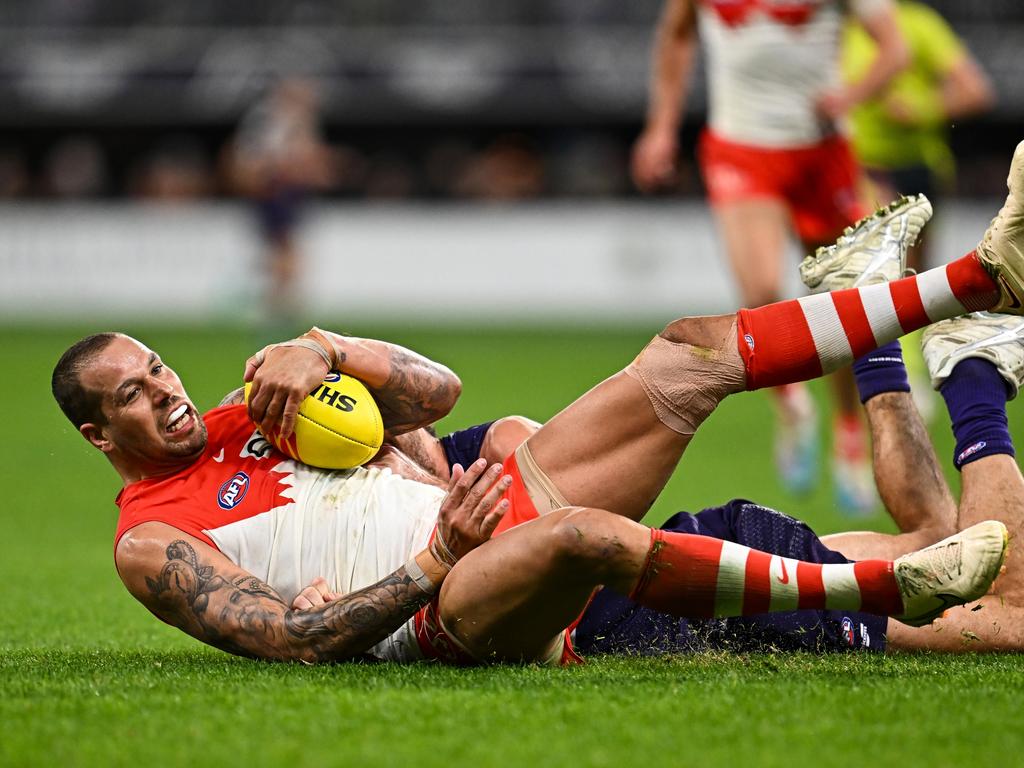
[[774, 162], [277, 159], [901, 136]]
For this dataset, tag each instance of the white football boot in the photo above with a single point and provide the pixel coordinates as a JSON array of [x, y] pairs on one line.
[[874, 250], [996, 338], [955, 571], [1001, 250]]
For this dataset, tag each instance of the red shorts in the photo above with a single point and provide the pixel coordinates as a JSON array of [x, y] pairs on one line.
[[820, 183], [434, 642]]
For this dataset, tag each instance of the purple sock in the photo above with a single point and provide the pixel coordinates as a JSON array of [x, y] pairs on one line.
[[881, 371], [975, 395]]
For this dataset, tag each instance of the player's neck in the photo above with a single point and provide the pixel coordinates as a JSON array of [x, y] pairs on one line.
[[134, 471]]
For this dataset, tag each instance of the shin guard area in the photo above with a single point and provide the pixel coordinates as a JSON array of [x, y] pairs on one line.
[[684, 382]]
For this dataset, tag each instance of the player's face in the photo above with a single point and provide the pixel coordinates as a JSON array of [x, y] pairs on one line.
[[150, 422]]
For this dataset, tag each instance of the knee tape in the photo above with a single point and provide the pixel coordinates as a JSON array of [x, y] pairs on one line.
[[685, 383]]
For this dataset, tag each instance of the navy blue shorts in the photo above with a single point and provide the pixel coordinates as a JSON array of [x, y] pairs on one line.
[[463, 447], [614, 624], [280, 211]]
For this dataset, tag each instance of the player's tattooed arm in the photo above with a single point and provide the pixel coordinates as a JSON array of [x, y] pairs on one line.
[[411, 390], [234, 397], [195, 588], [417, 392]]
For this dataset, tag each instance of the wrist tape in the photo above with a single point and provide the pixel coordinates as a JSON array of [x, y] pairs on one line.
[[419, 577]]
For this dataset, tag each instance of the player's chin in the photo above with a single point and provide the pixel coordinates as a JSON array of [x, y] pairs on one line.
[[190, 438], [189, 448]]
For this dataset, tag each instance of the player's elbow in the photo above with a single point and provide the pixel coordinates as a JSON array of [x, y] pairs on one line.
[[454, 389], [447, 390]]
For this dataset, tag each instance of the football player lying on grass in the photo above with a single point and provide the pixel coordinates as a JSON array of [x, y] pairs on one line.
[[219, 533]]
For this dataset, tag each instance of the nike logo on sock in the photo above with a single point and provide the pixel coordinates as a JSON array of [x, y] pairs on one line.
[[784, 578]]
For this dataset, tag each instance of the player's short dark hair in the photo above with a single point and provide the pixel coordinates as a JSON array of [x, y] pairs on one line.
[[80, 405]]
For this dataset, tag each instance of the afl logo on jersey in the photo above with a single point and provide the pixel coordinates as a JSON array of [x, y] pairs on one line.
[[233, 491]]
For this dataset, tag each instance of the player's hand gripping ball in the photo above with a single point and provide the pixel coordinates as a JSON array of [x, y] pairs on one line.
[[338, 425]]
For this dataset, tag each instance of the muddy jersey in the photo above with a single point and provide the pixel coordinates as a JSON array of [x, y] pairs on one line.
[[288, 523], [767, 61]]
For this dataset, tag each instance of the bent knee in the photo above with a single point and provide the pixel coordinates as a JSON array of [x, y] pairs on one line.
[[689, 368], [596, 538], [708, 331], [505, 435]]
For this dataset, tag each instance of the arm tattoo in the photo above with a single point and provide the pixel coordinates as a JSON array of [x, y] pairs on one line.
[[234, 397], [253, 586], [248, 617], [415, 394]]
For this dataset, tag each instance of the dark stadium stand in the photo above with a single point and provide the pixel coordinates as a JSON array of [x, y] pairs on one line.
[[559, 71], [387, 60]]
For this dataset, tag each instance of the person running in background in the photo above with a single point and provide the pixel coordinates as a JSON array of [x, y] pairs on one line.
[[277, 159], [775, 163], [901, 136]]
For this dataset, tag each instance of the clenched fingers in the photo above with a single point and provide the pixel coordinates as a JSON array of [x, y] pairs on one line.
[[282, 376], [313, 596]]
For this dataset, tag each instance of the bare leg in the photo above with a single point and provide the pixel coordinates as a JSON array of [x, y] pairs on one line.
[[910, 483], [844, 391], [508, 599], [609, 449], [755, 235], [990, 624], [626, 456], [992, 486], [283, 258]]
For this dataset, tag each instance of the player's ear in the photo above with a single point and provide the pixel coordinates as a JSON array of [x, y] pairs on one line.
[[95, 435]]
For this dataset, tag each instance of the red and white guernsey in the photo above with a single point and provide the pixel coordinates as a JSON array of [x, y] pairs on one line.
[[767, 61], [287, 523]]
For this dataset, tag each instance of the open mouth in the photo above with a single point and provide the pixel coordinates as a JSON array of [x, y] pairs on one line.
[[178, 419]]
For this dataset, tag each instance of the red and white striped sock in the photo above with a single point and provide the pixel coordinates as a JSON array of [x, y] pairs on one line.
[[700, 577], [803, 338]]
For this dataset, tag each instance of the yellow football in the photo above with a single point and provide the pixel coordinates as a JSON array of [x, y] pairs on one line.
[[338, 426]]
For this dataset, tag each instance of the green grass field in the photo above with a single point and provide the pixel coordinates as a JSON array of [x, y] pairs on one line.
[[88, 678]]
